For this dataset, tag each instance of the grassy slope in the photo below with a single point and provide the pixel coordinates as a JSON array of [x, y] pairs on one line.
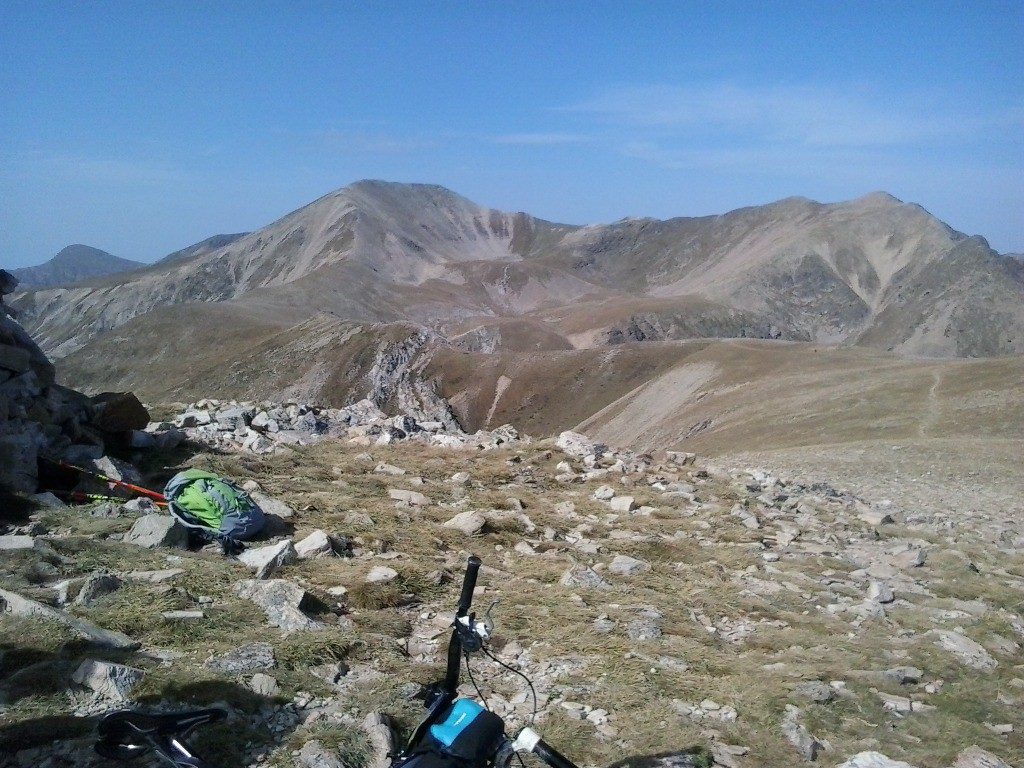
[[703, 561]]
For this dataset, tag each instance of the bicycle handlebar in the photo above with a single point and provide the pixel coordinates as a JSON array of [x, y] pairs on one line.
[[468, 585], [124, 735], [529, 740]]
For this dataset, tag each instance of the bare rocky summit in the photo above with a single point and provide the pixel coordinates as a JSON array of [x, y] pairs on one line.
[[420, 262]]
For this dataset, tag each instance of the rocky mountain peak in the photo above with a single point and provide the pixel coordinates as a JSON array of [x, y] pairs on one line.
[[878, 199], [872, 272], [73, 264]]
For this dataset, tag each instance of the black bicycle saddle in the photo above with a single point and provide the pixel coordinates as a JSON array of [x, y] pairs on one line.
[[126, 734]]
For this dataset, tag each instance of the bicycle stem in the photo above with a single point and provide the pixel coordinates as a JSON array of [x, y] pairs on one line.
[[444, 694]]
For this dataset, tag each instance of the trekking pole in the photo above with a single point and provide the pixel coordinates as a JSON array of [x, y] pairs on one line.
[[104, 478], [87, 497]]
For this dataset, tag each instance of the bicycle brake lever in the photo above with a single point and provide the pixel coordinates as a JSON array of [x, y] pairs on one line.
[[475, 634], [487, 625]]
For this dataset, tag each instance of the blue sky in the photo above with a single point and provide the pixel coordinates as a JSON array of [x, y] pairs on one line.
[[143, 127]]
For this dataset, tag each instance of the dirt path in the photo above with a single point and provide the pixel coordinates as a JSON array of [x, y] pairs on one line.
[[933, 406]]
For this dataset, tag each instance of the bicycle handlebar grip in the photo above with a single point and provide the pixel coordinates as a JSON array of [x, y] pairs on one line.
[[552, 756], [468, 585]]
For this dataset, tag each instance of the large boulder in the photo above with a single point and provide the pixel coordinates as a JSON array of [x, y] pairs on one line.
[[575, 444], [8, 282], [119, 412], [16, 605], [468, 522], [157, 530], [14, 335], [281, 601], [111, 681], [19, 453], [266, 560], [245, 658]]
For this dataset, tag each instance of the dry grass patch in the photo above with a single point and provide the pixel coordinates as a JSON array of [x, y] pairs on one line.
[[697, 558], [62, 522]]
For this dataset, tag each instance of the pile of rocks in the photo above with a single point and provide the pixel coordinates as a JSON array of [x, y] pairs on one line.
[[265, 428], [39, 418]]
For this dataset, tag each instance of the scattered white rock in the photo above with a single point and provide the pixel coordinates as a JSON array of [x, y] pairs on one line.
[[16, 605], [628, 566], [16, 542], [880, 592], [965, 649], [876, 517], [266, 560], [96, 586], [902, 704], [264, 685], [873, 760], [111, 681], [797, 735], [622, 503], [183, 615], [577, 445], [155, 577], [315, 755], [583, 576], [281, 601], [414, 498], [381, 574], [317, 544], [272, 506], [383, 742], [976, 757], [468, 522], [157, 530]]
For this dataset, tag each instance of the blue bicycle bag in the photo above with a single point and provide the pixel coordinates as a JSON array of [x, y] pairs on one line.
[[468, 732]]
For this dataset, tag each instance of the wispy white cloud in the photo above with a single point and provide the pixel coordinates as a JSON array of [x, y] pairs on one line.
[[817, 116], [774, 160], [541, 139]]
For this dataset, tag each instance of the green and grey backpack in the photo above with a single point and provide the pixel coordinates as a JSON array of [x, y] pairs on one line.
[[216, 509]]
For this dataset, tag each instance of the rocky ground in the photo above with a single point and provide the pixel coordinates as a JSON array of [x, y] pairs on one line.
[[655, 602]]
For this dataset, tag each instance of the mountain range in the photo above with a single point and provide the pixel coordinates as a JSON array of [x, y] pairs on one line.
[[415, 293], [73, 264]]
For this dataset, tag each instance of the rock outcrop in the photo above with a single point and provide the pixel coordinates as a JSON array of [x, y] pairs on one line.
[[266, 428]]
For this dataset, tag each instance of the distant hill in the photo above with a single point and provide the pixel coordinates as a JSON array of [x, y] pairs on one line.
[[72, 265]]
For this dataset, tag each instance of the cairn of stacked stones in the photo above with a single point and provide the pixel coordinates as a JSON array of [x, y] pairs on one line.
[[41, 419]]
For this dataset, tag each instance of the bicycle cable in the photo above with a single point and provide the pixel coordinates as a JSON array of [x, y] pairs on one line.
[[476, 687], [533, 692]]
